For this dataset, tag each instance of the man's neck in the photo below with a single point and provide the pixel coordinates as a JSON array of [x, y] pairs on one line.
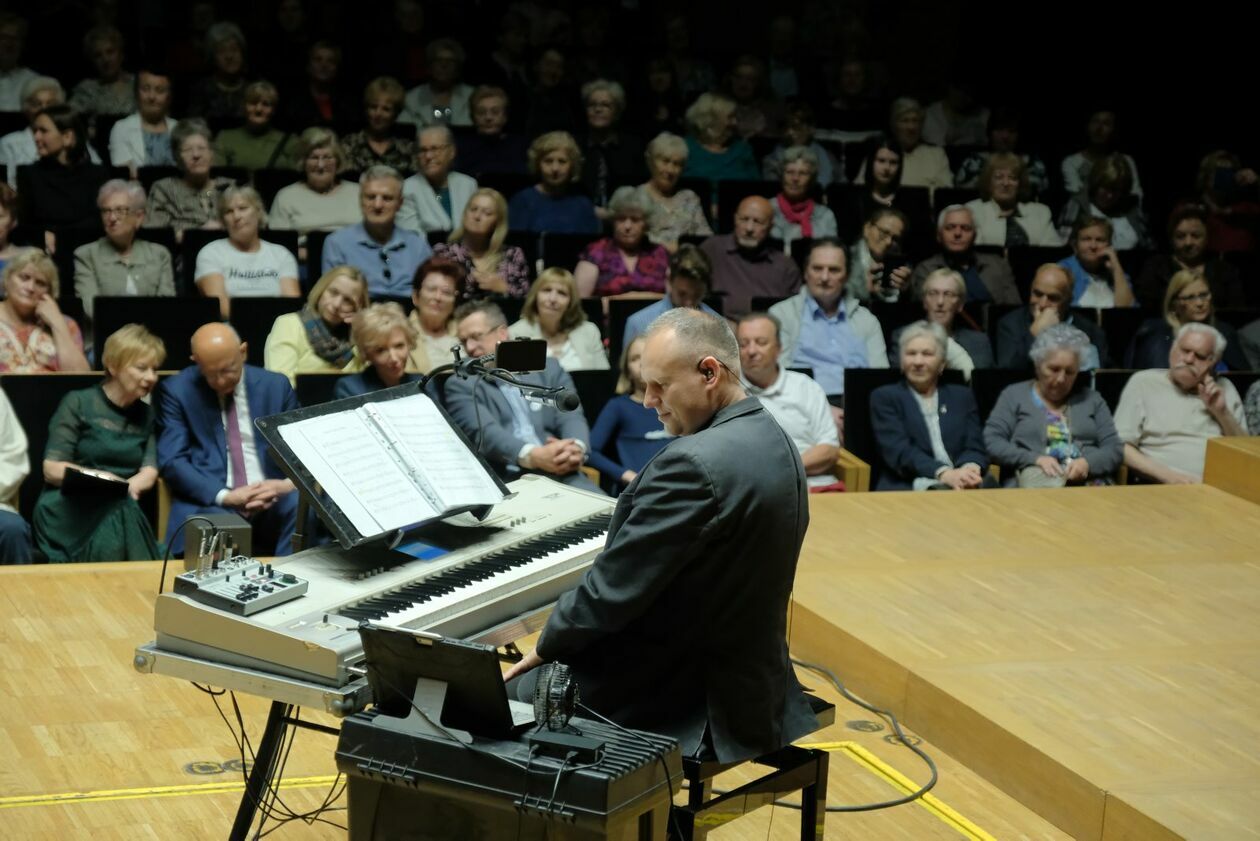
[[763, 379], [382, 233], [959, 259], [832, 308]]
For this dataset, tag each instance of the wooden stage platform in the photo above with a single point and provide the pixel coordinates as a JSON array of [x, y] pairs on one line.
[[1095, 653]]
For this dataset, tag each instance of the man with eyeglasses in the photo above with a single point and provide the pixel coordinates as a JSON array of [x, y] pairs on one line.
[[434, 198], [943, 294], [386, 253], [1049, 302], [119, 263], [988, 277], [744, 265]]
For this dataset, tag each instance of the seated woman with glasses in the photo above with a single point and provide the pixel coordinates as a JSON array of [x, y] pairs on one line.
[[119, 263], [877, 266], [1187, 299]]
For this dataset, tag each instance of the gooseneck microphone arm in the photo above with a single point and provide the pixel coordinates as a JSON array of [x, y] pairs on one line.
[[484, 367]]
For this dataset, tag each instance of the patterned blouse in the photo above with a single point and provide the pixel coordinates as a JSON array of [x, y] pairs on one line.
[[512, 266], [30, 349], [174, 204], [649, 274], [92, 97], [401, 154], [679, 216]]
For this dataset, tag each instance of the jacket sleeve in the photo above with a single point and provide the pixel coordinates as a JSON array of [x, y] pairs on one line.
[[85, 285], [175, 449], [605, 431], [498, 444], [999, 432], [898, 451], [1010, 344]]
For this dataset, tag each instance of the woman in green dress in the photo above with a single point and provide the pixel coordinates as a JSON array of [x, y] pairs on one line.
[[108, 430]]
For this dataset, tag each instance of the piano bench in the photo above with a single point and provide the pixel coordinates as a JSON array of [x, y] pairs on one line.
[[795, 769]]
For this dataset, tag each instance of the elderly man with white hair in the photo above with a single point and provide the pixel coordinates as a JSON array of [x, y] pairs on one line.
[[1166, 417], [434, 198], [119, 263], [943, 294], [17, 148], [987, 277]]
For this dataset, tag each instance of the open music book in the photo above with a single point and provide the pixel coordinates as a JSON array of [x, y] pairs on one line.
[[391, 464]]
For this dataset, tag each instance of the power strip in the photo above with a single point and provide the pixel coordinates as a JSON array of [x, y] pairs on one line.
[[240, 585]]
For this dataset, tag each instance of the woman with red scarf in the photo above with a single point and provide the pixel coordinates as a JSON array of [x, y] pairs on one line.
[[796, 213]]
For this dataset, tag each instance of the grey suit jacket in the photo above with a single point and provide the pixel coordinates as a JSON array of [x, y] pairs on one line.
[[500, 445], [679, 623], [422, 212]]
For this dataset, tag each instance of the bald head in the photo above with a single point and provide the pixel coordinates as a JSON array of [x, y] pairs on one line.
[[220, 354], [1051, 288], [752, 221]]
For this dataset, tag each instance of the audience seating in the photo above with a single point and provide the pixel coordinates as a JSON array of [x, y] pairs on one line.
[[703, 188], [987, 384], [561, 251], [529, 243], [314, 258], [619, 312], [253, 319], [173, 320], [943, 197], [594, 389], [270, 181], [314, 389], [507, 183]]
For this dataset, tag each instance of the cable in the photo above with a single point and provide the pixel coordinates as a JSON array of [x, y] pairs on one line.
[[901, 737], [167, 556]]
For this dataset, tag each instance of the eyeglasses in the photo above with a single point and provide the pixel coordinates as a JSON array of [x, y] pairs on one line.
[[885, 234], [477, 337], [112, 212], [1195, 298], [947, 294], [433, 150]]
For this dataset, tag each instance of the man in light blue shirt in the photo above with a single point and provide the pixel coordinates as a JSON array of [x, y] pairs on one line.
[[686, 286], [387, 254]]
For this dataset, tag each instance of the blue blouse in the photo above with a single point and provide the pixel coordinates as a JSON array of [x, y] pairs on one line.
[[635, 429], [533, 210]]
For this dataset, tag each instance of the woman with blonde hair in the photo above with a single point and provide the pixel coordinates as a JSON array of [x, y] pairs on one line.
[[107, 432], [34, 334], [378, 144], [317, 338], [384, 340], [491, 267], [713, 150], [551, 205], [553, 311], [675, 213], [626, 426], [244, 265], [1002, 216], [1188, 299]]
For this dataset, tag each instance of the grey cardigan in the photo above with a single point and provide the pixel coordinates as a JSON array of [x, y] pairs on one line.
[[1015, 434]]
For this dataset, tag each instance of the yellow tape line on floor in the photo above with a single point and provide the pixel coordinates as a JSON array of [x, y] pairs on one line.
[[905, 785]]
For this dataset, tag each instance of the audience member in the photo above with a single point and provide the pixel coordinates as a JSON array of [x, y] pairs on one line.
[[988, 277], [435, 196], [745, 266], [507, 67], [714, 151], [1166, 416], [1249, 338], [553, 311], [320, 99], [551, 205], [1048, 432], [478, 244], [1100, 132], [490, 148], [694, 74], [316, 339], [1049, 303], [878, 267], [794, 400], [826, 329], [384, 340], [675, 213], [658, 105], [34, 335], [798, 130], [855, 106], [112, 91], [1002, 216], [796, 213], [321, 201], [686, 285], [443, 100], [208, 451], [1228, 191], [956, 120], [943, 293], [551, 99], [105, 431], [387, 254], [15, 464], [1098, 278], [221, 94], [119, 263], [1003, 140], [244, 265], [1251, 408], [146, 137], [630, 429], [191, 199], [434, 291], [257, 144], [1109, 195], [611, 157], [1188, 300], [59, 190], [757, 112], [1187, 234], [378, 144], [8, 222], [515, 436], [17, 148], [922, 164], [880, 186], [13, 76], [928, 432], [626, 262]]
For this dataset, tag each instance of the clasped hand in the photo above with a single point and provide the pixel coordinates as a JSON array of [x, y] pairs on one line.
[[256, 497], [559, 456]]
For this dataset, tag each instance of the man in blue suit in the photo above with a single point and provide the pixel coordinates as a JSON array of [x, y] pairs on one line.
[[208, 450], [517, 434]]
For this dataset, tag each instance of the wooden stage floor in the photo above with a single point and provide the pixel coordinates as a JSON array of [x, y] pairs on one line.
[[1093, 653]]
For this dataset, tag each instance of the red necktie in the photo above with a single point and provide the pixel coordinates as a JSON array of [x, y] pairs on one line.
[[235, 451]]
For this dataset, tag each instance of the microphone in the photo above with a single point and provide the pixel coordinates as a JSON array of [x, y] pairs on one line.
[[563, 399]]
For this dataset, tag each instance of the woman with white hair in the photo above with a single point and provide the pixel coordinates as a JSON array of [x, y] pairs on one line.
[[796, 214], [443, 100], [1048, 432], [713, 149], [551, 205], [626, 262], [675, 213], [119, 263], [190, 199], [610, 156], [928, 432], [222, 93], [244, 265]]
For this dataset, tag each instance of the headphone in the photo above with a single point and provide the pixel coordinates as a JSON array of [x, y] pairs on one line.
[[708, 372]]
